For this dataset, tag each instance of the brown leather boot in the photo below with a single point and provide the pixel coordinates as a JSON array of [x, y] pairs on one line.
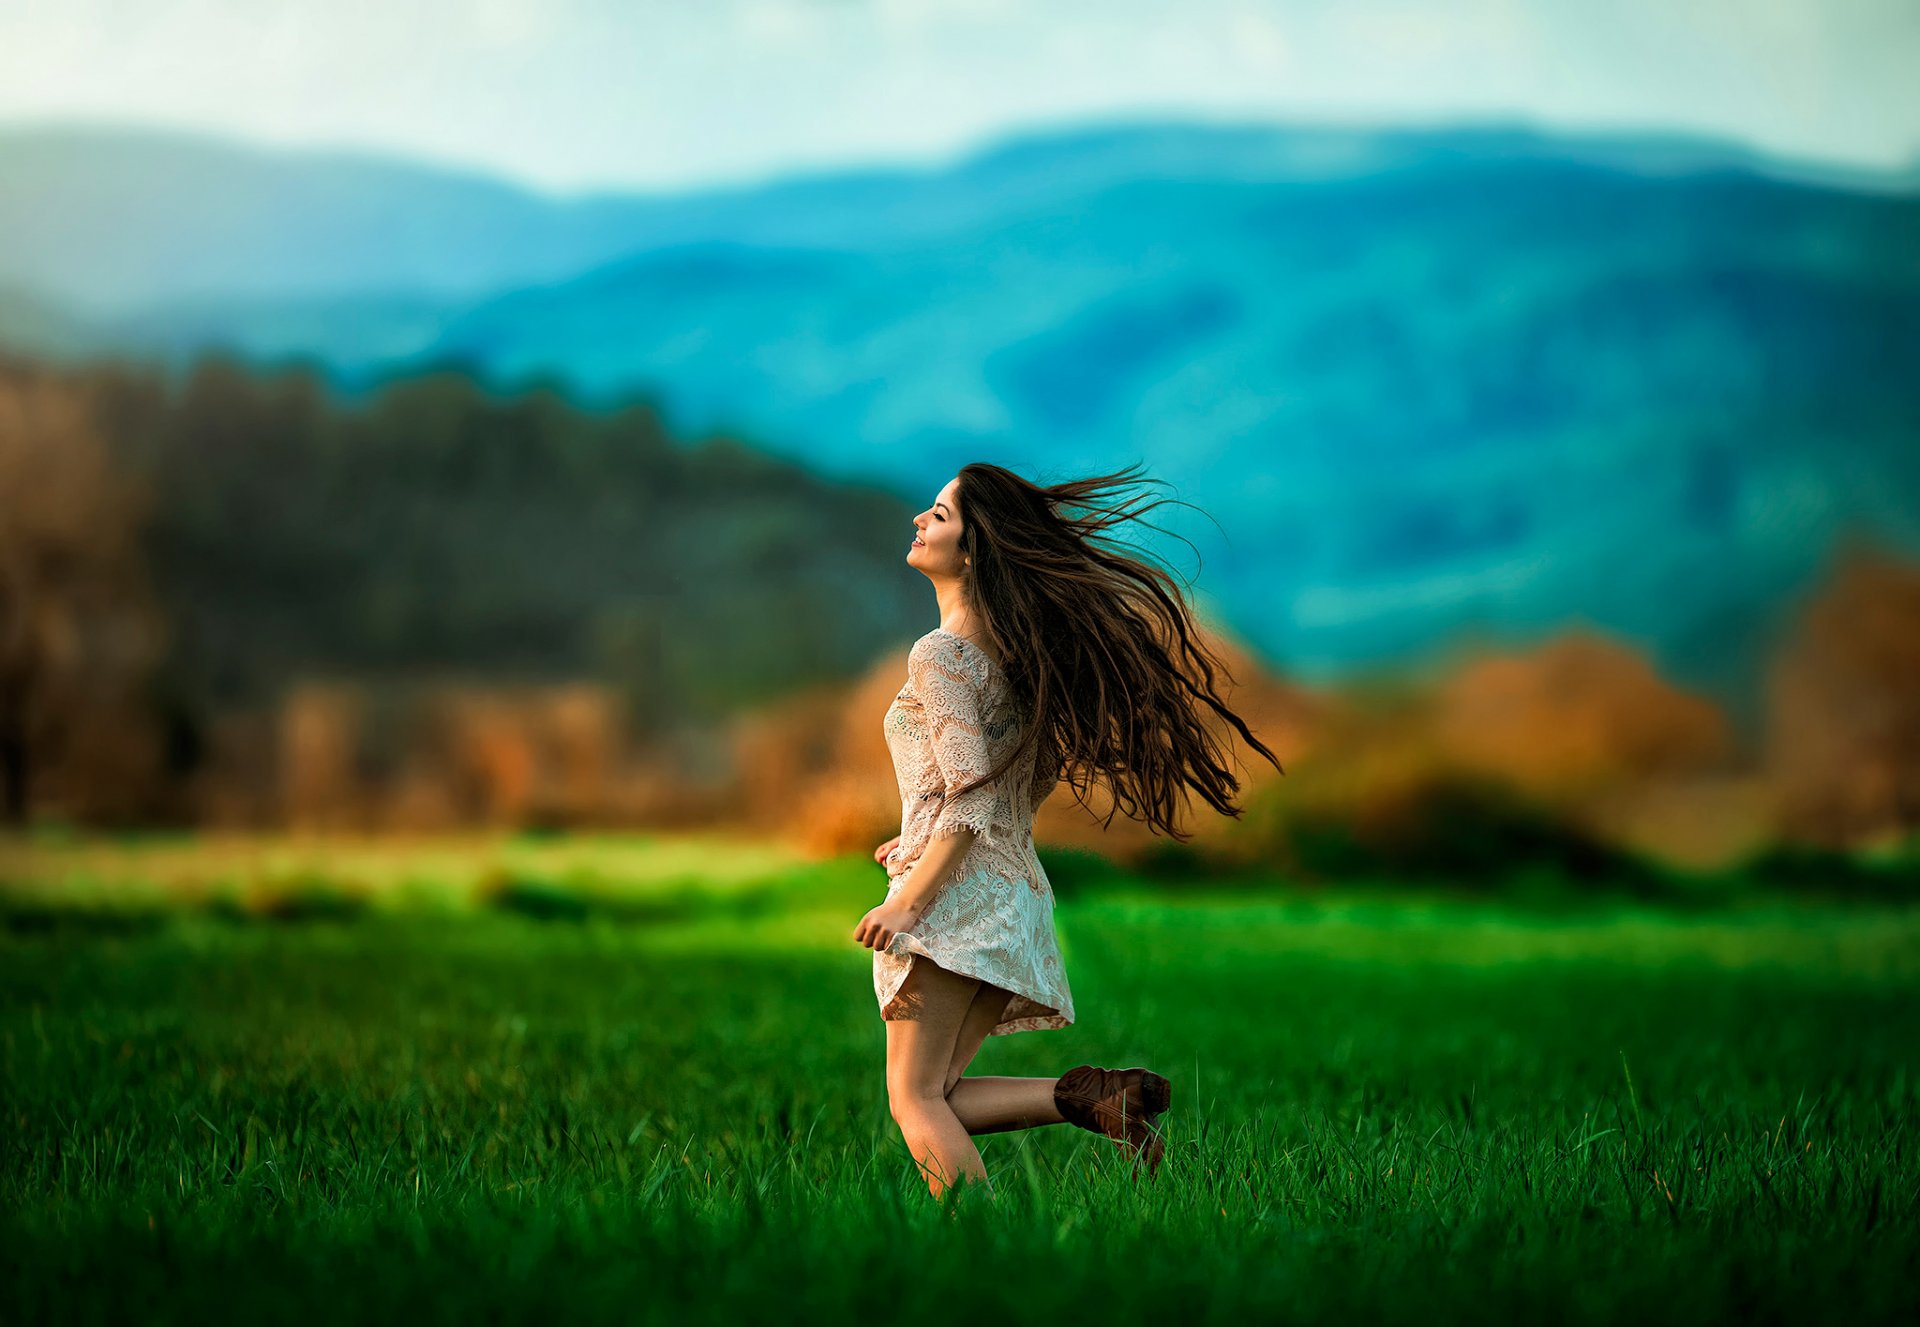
[[1122, 1104]]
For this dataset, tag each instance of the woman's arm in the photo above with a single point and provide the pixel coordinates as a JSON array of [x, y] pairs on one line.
[[936, 866], [907, 905]]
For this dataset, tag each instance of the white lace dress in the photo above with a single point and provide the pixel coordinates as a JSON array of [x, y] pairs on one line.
[[955, 719]]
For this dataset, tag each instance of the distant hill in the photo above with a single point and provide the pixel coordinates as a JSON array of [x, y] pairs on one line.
[[1429, 382], [114, 219]]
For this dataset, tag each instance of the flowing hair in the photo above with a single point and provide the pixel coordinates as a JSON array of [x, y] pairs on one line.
[[1099, 645]]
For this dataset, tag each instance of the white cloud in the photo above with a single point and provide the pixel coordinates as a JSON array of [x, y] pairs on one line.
[[1257, 39], [781, 23], [913, 15], [576, 93]]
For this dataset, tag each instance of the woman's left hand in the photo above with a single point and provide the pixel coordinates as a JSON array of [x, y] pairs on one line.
[[877, 929]]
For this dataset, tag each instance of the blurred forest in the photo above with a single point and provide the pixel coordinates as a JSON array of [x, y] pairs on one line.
[[229, 554], [230, 599]]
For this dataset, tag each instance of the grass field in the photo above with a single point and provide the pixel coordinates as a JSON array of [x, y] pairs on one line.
[[578, 1082]]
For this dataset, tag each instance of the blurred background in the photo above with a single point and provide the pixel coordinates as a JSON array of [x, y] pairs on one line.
[[507, 416]]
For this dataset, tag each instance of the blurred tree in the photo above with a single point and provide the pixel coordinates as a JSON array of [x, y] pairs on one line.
[[436, 532], [1577, 717], [320, 727], [79, 633], [1843, 741]]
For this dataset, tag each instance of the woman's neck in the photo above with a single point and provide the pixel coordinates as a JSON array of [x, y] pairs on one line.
[[954, 614]]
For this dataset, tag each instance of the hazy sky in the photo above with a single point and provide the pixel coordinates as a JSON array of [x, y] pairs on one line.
[[571, 94]]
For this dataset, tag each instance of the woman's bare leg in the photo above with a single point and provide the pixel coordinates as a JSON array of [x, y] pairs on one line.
[[921, 1037], [997, 1105], [994, 1105]]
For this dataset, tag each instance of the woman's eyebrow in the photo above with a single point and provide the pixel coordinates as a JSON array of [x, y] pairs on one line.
[[942, 504]]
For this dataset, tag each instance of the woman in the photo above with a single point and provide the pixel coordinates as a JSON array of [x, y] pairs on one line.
[[1056, 656]]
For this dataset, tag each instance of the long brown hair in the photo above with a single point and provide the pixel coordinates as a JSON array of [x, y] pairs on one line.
[[1098, 645]]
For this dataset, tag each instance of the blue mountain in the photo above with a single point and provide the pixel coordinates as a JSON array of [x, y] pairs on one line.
[[1427, 382]]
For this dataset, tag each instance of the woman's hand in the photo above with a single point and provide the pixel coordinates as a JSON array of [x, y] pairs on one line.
[[885, 850], [877, 929]]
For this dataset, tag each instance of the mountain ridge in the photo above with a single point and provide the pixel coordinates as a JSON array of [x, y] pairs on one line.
[[1446, 394]]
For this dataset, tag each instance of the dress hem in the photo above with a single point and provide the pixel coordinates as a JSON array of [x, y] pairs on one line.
[[1054, 1021]]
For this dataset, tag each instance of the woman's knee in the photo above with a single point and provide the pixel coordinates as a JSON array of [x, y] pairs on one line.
[[908, 1102]]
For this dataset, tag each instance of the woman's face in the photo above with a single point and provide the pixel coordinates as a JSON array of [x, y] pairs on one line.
[[936, 546]]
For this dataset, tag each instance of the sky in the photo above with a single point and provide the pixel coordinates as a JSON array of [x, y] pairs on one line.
[[573, 96]]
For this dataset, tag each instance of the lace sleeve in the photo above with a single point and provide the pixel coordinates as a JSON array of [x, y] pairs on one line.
[[952, 702]]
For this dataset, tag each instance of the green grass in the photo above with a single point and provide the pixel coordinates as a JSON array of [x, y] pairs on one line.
[[1399, 1108]]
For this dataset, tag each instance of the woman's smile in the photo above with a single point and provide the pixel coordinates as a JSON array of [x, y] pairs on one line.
[[936, 535]]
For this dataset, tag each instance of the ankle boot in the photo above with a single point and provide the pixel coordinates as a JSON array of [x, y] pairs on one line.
[[1121, 1104]]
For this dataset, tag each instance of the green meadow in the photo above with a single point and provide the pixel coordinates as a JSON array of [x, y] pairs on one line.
[[638, 1079]]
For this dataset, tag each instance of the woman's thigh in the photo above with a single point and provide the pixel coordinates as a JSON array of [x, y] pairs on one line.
[[925, 1031], [989, 1002]]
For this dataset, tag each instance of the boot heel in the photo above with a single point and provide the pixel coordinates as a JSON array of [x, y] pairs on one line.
[[1156, 1092]]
